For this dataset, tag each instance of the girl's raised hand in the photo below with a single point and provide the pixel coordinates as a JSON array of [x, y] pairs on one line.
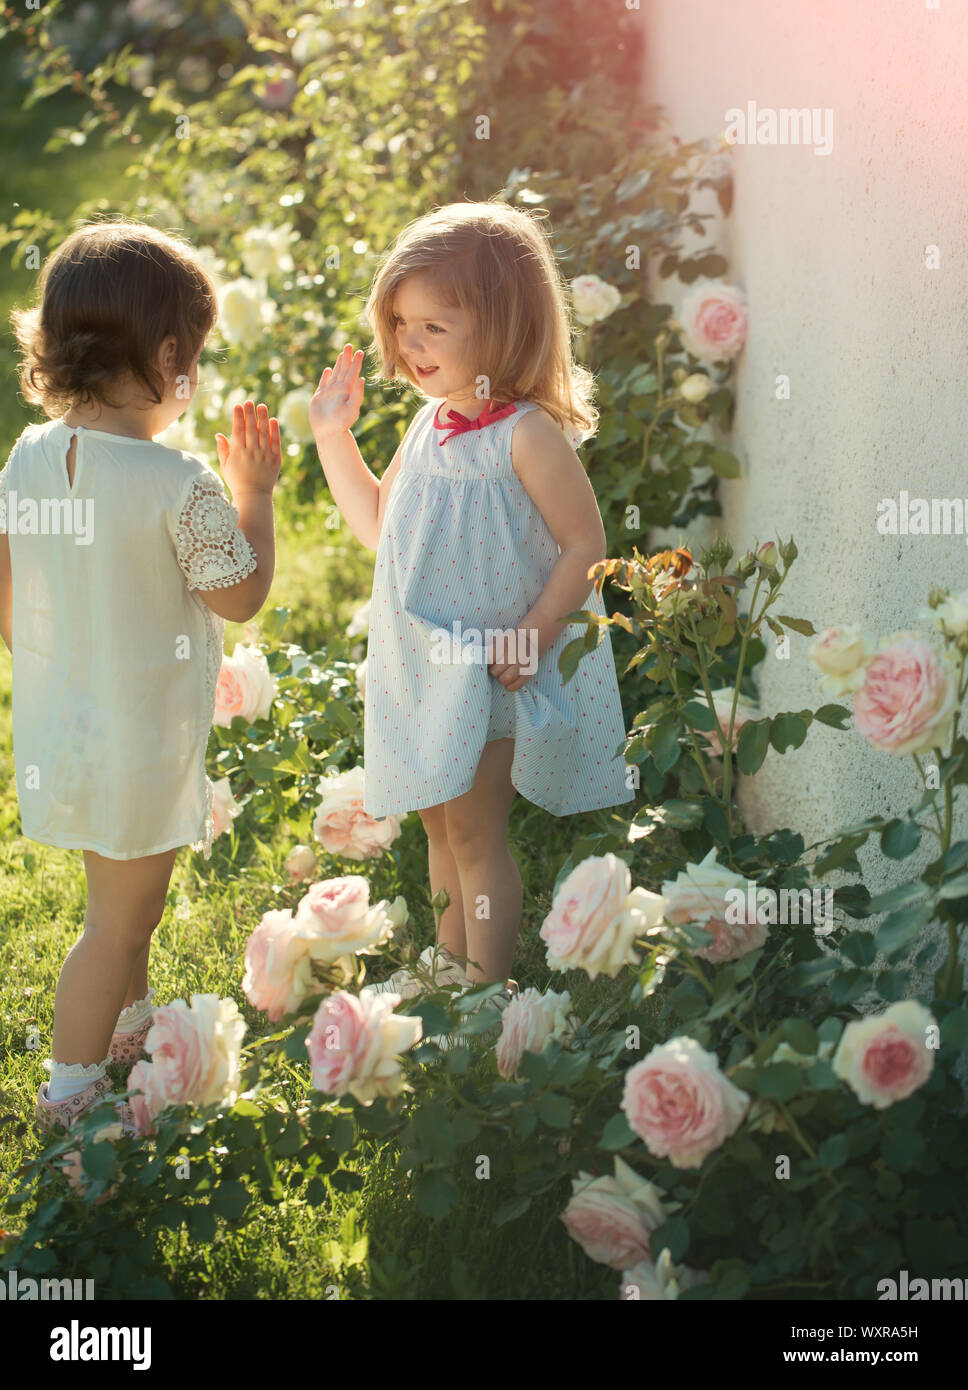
[[335, 406], [252, 460]]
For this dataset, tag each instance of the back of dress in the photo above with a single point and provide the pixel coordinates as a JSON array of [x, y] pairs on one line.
[[115, 660]]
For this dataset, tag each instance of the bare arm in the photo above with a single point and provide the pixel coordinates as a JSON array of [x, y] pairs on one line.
[[250, 465], [553, 477], [6, 592], [335, 407]]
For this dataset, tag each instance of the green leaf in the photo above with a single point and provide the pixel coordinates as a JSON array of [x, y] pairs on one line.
[[901, 1149], [901, 928], [780, 1081], [672, 1235], [554, 1110], [230, 1199], [342, 1134], [801, 1035], [753, 745], [723, 463], [618, 1133], [698, 715], [99, 1160], [904, 895], [835, 716], [511, 1210], [525, 1119], [436, 1193], [954, 1029], [833, 1151], [801, 625], [956, 887], [900, 838], [664, 743], [346, 1180], [787, 731]]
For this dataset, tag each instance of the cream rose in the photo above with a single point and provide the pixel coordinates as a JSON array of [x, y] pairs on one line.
[[355, 1044], [886, 1057], [908, 698], [594, 299], [951, 615], [660, 1281], [841, 653], [596, 916], [706, 893], [266, 251], [680, 1104], [225, 808], [246, 687], [195, 1057], [342, 826], [695, 388], [612, 1218], [294, 414], [244, 311], [338, 920], [528, 1024], [278, 965], [713, 319], [300, 864]]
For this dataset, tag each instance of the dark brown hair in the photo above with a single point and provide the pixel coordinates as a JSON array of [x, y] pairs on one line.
[[497, 262], [107, 298]]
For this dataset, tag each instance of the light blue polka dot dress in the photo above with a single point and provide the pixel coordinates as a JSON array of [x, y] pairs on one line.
[[463, 543]]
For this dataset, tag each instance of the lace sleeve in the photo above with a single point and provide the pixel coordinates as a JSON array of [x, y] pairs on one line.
[[212, 552]]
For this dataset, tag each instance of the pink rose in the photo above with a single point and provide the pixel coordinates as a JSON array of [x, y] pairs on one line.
[[528, 1024], [337, 918], [908, 697], [355, 1042], [278, 966], [225, 808], [886, 1057], [195, 1054], [596, 916], [144, 1104], [300, 864], [716, 899], [680, 1104], [713, 318], [612, 1218], [246, 688], [342, 826], [746, 709]]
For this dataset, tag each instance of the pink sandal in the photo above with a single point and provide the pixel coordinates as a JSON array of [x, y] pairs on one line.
[[49, 1113], [128, 1048]]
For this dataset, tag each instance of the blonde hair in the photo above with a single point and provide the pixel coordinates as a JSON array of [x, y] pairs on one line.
[[496, 262], [108, 296]]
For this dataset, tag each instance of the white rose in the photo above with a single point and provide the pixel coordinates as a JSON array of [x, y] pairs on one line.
[[265, 251], [695, 388], [596, 916], [360, 621], [659, 1281], [594, 299], [528, 1024], [311, 43], [300, 864], [841, 653], [703, 893], [951, 616], [342, 826], [246, 687], [244, 311], [293, 414]]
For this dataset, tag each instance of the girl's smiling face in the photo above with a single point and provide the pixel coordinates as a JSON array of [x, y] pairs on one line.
[[434, 340]]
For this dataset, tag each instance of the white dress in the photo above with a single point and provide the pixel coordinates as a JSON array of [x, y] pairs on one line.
[[464, 543], [115, 659]]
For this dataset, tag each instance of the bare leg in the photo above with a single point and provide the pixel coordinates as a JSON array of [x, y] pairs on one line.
[[443, 874], [138, 983], [477, 825], [125, 901]]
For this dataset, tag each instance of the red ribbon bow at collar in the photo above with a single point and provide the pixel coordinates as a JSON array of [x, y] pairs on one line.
[[458, 423]]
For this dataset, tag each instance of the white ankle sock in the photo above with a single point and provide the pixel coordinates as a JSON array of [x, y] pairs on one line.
[[135, 1015], [69, 1078]]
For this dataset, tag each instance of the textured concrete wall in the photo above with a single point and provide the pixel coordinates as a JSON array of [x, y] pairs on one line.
[[831, 251]]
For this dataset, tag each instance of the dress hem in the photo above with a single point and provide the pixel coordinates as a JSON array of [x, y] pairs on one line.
[[109, 854]]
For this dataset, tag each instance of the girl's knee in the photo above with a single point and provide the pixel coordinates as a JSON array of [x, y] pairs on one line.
[[434, 820], [469, 833]]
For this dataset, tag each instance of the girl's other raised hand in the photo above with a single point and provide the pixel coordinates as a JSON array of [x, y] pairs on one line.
[[335, 406], [252, 460]]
